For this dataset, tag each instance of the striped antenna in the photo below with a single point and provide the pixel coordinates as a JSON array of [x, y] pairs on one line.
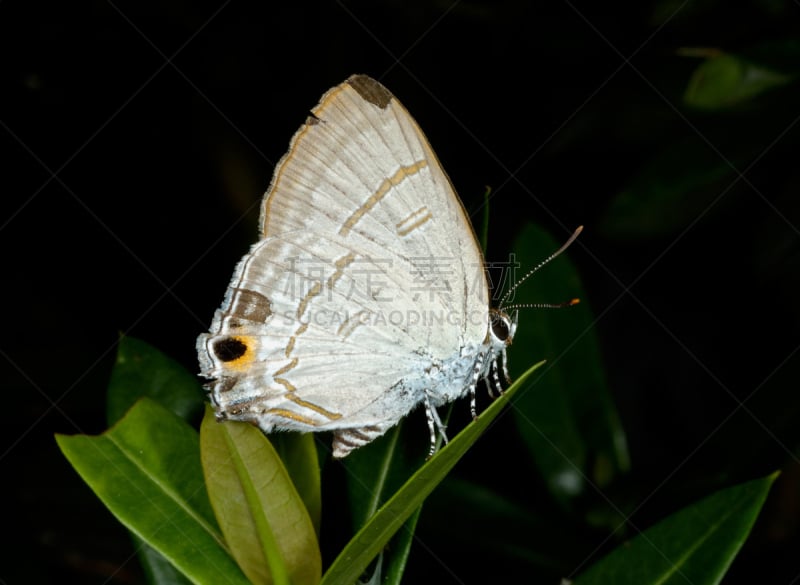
[[568, 303], [533, 271]]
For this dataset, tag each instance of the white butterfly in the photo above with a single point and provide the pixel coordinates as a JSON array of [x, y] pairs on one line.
[[366, 294]]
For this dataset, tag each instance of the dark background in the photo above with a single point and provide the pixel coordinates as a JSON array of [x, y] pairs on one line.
[[137, 141]]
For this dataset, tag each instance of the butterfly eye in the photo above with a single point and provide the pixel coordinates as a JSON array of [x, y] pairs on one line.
[[229, 349], [501, 328]]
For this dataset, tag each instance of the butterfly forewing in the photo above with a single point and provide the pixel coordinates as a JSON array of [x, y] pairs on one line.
[[361, 168]]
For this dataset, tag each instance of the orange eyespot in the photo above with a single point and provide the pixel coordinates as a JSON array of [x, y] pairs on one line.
[[235, 351]]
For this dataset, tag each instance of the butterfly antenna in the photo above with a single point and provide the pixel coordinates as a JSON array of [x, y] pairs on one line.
[[568, 303], [536, 268]]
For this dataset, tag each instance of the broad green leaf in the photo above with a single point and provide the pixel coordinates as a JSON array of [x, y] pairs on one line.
[[567, 419], [157, 569], [142, 370], [373, 536], [146, 470], [264, 520], [695, 545], [726, 80]]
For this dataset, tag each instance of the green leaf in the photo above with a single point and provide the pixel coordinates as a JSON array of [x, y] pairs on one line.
[[695, 545], [374, 473], [379, 529], [157, 569], [568, 421], [298, 451], [263, 518], [726, 80], [146, 470], [378, 470], [142, 370], [401, 549]]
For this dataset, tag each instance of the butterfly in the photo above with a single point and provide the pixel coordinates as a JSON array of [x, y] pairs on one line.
[[366, 294]]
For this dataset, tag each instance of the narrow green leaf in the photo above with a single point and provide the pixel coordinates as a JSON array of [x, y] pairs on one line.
[[373, 536], [401, 549], [695, 545], [374, 473], [146, 470], [142, 370], [264, 520], [726, 80], [568, 420]]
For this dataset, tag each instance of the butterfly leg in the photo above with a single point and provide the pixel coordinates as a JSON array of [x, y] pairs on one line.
[[473, 406], [434, 425], [496, 361], [495, 381], [505, 366], [491, 376], [476, 374]]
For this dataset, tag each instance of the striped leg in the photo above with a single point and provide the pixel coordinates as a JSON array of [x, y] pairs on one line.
[[434, 425], [476, 374], [495, 380], [491, 378], [505, 366]]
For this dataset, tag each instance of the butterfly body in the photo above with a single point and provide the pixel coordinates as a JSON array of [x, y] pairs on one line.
[[366, 295]]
